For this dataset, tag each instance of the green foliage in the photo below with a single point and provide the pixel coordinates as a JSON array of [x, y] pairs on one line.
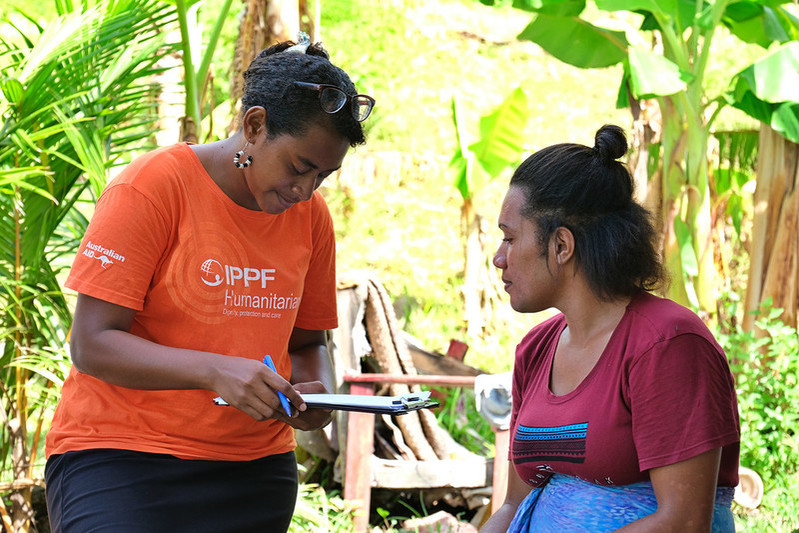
[[766, 368], [74, 99], [501, 139], [196, 69], [652, 75], [217, 109], [761, 23], [413, 56], [459, 416], [736, 169], [320, 511], [675, 74]]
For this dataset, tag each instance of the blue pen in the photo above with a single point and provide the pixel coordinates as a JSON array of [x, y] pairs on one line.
[[283, 400]]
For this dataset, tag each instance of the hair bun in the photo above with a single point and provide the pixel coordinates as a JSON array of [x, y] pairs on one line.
[[610, 143]]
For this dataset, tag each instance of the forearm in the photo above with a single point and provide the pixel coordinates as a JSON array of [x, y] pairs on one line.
[[103, 348], [499, 521], [123, 359], [685, 493], [311, 362], [515, 494], [311, 373], [658, 523]]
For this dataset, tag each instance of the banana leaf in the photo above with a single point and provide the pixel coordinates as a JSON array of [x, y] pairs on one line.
[[501, 139], [768, 90], [576, 41]]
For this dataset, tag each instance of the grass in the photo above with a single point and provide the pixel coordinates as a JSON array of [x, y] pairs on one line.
[[413, 56]]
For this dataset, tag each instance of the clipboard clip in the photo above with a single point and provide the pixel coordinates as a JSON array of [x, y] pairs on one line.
[[412, 402]]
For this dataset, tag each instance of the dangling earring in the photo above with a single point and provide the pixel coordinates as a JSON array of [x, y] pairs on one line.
[[237, 158]]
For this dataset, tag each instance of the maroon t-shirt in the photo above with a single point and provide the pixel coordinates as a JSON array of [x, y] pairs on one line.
[[660, 393]]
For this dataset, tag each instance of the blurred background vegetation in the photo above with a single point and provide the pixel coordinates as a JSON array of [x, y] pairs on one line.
[[402, 209]]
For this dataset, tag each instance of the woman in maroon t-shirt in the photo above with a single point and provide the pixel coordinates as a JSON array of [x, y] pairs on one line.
[[624, 408]]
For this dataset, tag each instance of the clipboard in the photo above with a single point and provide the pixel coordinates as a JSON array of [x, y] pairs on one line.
[[392, 405]]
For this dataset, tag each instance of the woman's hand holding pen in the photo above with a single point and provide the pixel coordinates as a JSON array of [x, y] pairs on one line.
[[252, 387]]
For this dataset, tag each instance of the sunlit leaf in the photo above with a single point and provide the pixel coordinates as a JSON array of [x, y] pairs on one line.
[[775, 78], [577, 42], [653, 75], [769, 90], [664, 7], [12, 90], [745, 21], [502, 134], [785, 120], [688, 259]]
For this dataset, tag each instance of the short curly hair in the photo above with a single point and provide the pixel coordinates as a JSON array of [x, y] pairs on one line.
[[269, 83]]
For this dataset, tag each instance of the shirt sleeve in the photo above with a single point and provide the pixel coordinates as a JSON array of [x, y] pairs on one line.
[[682, 398], [121, 249], [318, 308]]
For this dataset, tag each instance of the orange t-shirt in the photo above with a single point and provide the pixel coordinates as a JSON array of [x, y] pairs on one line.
[[203, 273]]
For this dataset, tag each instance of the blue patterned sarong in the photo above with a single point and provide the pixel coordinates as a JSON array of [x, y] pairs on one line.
[[567, 504]]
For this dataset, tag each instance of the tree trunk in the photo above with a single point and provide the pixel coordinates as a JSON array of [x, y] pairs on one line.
[[310, 22], [474, 254], [647, 124], [21, 510], [264, 23], [774, 257], [685, 210], [171, 100]]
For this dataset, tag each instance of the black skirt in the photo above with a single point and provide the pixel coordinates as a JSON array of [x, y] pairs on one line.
[[124, 491]]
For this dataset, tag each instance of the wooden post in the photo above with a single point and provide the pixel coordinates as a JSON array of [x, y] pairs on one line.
[[457, 350], [358, 468], [500, 481]]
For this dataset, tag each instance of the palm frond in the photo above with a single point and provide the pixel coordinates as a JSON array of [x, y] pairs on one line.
[[76, 95]]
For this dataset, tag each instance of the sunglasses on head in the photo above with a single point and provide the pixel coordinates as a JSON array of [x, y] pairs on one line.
[[332, 100]]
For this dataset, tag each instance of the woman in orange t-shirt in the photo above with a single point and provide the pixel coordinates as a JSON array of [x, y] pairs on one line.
[[201, 264]]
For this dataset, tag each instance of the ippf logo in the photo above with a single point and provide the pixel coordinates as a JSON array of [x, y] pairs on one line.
[[214, 273]]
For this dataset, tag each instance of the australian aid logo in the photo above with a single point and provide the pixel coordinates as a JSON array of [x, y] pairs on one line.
[[105, 256]]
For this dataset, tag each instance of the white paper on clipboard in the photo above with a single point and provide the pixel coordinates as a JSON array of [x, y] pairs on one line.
[[395, 405]]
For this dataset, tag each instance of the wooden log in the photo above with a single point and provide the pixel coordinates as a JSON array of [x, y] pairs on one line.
[[456, 473]]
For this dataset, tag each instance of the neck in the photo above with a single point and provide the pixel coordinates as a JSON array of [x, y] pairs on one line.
[[217, 159], [588, 316]]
